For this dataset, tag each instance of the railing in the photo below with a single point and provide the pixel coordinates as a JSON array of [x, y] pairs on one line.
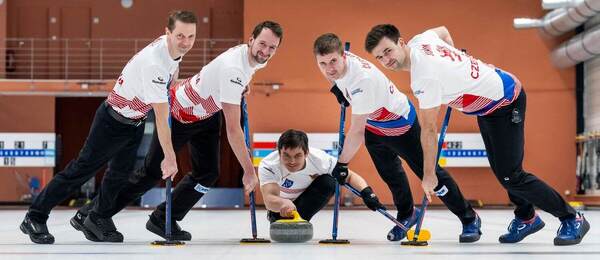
[[91, 59]]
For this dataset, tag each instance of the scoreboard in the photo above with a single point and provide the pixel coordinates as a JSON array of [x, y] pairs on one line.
[[27, 149]]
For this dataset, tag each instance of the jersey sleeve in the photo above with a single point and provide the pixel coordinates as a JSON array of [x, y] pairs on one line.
[[428, 92], [429, 34], [363, 98], [154, 84], [323, 161], [267, 173], [424, 37], [232, 84]]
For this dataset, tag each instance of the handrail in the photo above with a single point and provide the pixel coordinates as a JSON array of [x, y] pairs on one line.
[[90, 59]]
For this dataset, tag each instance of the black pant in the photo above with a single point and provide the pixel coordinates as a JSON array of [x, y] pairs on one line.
[[384, 151], [313, 199], [108, 141], [503, 136], [204, 138]]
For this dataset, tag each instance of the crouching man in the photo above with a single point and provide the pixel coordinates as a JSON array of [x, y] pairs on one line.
[[298, 178]]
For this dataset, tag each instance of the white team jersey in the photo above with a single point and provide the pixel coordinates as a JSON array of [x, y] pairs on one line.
[[441, 74], [292, 184], [369, 91], [144, 80], [223, 80]]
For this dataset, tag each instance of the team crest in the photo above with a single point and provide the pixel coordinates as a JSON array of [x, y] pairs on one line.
[[287, 183]]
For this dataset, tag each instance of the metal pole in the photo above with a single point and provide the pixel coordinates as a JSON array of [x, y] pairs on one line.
[[204, 53], [101, 58], [66, 58], [31, 56]]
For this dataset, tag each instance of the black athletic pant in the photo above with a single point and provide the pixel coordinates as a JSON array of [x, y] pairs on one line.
[[313, 199], [108, 141], [204, 139], [503, 136], [384, 151]]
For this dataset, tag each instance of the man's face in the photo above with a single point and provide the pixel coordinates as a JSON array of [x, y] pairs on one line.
[[391, 55], [182, 38], [332, 65], [264, 46], [293, 159]]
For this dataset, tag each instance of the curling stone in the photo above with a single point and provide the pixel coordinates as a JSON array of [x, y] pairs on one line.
[[295, 230]]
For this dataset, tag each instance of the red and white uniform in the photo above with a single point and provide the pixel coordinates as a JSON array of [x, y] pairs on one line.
[[292, 184], [441, 74], [144, 80], [223, 80], [369, 91]]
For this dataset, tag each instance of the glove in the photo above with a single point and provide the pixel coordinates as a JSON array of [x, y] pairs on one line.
[[340, 172], [371, 199], [339, 96]]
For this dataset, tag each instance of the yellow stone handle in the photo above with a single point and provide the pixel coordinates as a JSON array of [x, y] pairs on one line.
[[295, 218]]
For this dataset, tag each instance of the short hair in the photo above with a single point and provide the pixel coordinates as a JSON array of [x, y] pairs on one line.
[[378, 32], [182, 16], [273, 26], [327, 43], [291, 139]]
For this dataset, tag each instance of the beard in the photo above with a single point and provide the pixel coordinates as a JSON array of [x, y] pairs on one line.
[[256, 57], [259, 60]]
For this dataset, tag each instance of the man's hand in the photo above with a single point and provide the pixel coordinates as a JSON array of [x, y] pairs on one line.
[[429, 183], [168, 167], [340, 172], [371, 199], [250, 181], [287, 207]]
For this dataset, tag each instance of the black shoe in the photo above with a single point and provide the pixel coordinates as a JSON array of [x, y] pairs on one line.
[[157, 226], [103, 228], [77, 222], [38, 232]]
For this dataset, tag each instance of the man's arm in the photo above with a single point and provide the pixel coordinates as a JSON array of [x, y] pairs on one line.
[[428, 119], [274, 202], [354, 138], [366, 193], [444, 34], [356, 181], [169, 163], [236, 138]]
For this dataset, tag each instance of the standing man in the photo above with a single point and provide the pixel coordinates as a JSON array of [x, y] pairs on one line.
[[197, 103], [298, 178], [441, 74], [392, 130], [118, 128]]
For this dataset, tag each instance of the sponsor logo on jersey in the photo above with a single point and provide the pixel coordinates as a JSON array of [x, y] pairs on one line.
[[159, 80], [418, 92], [356, 91], [237, 81]]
